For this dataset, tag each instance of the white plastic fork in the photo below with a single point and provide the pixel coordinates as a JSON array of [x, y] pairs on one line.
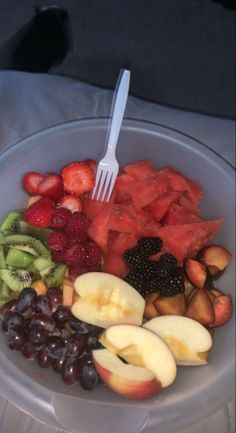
[[108, 167]]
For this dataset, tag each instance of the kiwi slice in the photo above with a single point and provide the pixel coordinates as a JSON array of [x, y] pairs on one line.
[[35, 275], [41, 263], [26, 243], [26, 229], [2, 258], [5, 292], [18, 258], [53, 276], [9, 222], [16, 279]]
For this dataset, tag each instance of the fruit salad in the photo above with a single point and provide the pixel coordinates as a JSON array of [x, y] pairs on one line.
[[119, 293]]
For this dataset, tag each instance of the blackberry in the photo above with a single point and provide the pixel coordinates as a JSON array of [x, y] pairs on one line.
[[168, 260], [137, 281], [155, 285], [174, 284], [150, 245], [134, 257], [147, 268]]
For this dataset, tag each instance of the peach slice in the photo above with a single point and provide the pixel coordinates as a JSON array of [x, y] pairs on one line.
[[125, 379], [140, 347], [196, 273], [188, 339], [216, 292], [106, 300], [171, 304], [223, 309], [200, 307], [216, 258], [188, 288], [150, 310]]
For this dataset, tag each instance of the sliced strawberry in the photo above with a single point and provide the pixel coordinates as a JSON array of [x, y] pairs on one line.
[[39, 213], [78, 178], [69, 201], [31, 181], [51, 186], [91, 163]]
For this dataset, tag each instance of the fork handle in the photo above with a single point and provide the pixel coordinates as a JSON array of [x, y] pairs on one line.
[[118, 108]]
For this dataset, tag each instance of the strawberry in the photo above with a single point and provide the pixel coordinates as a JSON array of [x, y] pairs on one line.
[[57, 240], [51, 186], [39, 213], [78, 178], [77, 225], [60, 217], [31, 181], [91, 163], [69, 201]]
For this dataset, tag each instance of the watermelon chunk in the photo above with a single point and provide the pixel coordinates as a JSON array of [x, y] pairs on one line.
[[92, 207], [123, 219], [114, 264], [141, 170], [160, 206], [143, 192], [122, 242], [122, 188], [185, 240], [99, 227], [178, 182], [179, 215], [189, 205]]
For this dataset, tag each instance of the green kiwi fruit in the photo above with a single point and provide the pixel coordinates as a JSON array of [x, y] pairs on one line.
[[26, 229], [16, 279], [42, 263], [26, 243], [2, 258], [18, 258], [9, 222], [53, 276]]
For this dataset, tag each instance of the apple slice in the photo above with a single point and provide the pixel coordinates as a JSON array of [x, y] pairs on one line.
[[105, 300], [171, 304], [223, 309], [188, 339], [127, 380], [197, 274], [200, 307], [150, 310], [143, 348], [216, 258]]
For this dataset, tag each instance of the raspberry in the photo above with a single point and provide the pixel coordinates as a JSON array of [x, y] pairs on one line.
[[58, 256], [77, 225], [76, 271], [60, 217], [93, 256], [57, 240], [75, 255]]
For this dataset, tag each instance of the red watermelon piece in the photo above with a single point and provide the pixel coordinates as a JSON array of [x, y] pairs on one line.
[[122, 242], [92, 207], [99, 227], [177, 214], [141, 170], [185, 240], [123, 219], [178, 182], [160, 206], [122, 188], [114, 264], [189, 205], [143, 192]]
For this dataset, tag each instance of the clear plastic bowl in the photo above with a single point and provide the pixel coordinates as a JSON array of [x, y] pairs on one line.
[[198, 391]]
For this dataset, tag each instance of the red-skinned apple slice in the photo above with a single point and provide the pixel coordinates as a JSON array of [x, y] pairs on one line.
[[125, 379], [188, 339], [223, 309], [106, 300], [216, 258], [142, 348]]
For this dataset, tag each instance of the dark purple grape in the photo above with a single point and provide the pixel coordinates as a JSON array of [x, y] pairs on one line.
[[55, 347], [12, 322], [70, 371], [75, 346], [29, 352], [56, 332], [88, 377], [65, 333], [62, 316], [37, 337], [55, 297], [92, 342], [85, 357], [78, 326], [43, 321], [96, 330], [26, 302], [16, 339], [9, 307], [57, 364], [44, 359], [43, 305]]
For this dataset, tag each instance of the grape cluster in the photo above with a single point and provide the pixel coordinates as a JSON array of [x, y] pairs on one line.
[[43, 330]]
